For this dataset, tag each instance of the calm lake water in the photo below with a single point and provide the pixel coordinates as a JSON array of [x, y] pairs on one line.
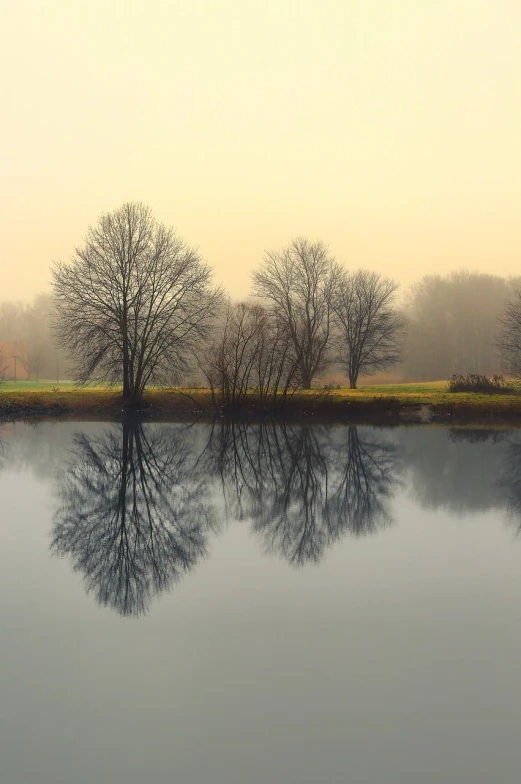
[[258, 604]]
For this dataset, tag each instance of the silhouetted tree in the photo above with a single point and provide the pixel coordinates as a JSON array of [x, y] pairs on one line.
[[134, 515], [134, 302], [298, 283], [371, 328]]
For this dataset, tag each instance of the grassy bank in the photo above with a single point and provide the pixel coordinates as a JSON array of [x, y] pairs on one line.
[[400, 402]]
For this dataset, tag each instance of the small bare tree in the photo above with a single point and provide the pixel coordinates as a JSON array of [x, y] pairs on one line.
[[277, 371], [251, 354], [370, 327], [134, 303], [298, 282], [231, 358], [3, 367], [509, 338]]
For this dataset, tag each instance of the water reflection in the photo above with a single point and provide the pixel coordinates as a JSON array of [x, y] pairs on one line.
[[134, 515], [3, 447], [303, 487], [458, 469], [138, 502], [462, 435], [511, 484]]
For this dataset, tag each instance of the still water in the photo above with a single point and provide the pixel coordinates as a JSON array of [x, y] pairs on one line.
[[258, 604]]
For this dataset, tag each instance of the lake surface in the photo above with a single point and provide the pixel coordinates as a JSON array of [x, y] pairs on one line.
[[259, 604]]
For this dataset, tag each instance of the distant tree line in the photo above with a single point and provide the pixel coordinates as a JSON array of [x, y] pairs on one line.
[[136, 306], [454, 325], [28, 327]]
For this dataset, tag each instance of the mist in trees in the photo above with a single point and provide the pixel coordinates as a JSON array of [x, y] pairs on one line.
[[136, 306], [3, 367], [509, 335], [134, 515], [453, 325], [28, 326]]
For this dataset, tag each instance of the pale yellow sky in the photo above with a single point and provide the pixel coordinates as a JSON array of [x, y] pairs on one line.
[[391, 129]]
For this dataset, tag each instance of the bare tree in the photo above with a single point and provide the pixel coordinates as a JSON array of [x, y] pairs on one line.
[[3, 367], [133, 303], [298, 282], [509, 339], [370, 327], [277, 363], [251, 354], [231, 358]]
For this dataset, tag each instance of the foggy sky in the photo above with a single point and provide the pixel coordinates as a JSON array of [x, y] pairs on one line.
[[390, 130]]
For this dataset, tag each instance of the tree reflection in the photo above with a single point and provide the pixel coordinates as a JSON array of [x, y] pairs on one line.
[[302, 486], [511, 481], [3, 448], [457, 469], [134, 515]]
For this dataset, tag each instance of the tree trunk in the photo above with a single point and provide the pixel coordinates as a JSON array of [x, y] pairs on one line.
[[306, 381], [126, 388]]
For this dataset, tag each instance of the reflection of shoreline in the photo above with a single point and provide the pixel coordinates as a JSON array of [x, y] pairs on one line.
[[461, 470], [134, 516], [138, 501], [135, 507], [3, 447]]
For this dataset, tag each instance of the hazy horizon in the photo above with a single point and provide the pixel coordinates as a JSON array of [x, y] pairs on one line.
[[389, 131]]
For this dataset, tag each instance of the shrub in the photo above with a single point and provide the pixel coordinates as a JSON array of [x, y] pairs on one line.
[[473, 382]]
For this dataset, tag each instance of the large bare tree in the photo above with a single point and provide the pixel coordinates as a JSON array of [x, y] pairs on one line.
[[370, 326], [298, 282], [133, 303]]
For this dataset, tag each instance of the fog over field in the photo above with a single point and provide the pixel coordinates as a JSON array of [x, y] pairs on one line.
[[389, 132]]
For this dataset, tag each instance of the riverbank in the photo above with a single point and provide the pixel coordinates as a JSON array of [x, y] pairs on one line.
[[413, 403]]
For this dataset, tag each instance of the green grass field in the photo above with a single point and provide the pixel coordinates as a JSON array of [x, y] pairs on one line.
[[424, 388], [20, 386], [65, 395]]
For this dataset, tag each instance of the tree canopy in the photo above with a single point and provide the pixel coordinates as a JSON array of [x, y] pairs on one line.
[[298, 283], [133, 303]]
